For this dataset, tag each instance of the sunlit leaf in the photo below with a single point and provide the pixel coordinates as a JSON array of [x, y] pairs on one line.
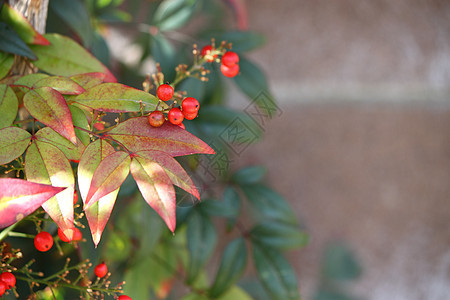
[[116, 97], [6, 63], [62, 84], [173, 169], [21, 25], [13, 142], [45, 163], [137, 135], [88, 80], [71, 151], [65, 57], [8, 106], [98, 213], [232, 264], [19, 198], [275, 273], [108, 176], [156, 188]]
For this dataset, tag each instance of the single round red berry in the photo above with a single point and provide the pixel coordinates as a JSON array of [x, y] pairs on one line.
[[43, 241], [181, 125], [175, 116], [9, 279], [124, 297], [164, 92], [101, 270], [3, 288], [190, 116], [229, 71], [77, 236], [207, 51], [190, 105], [156, 118], [230, 58], [75, 197]]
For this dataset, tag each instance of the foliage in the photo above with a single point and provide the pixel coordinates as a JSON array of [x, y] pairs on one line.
[[72, 127]]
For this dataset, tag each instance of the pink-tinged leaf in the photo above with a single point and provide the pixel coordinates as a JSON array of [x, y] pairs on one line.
[[13, 142], [45, 163], [138, 135], [71, 151], [8, 106], [156, 188], [173, 169], [99, 212], [50, 108], [88, 80], [19, 198], [116, 97], [109, 176], [98, 215], [66, 57], [21, 26], [62, 84]]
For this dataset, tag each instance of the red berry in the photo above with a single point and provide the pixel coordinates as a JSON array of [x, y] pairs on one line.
[[207, 51], [229, 71], [43, 241], [181, 125], [8, 279], [156, 118], [175, 116], [3, 288], [230, 58], [164, 92], [77, 236], [99, 126], [190, 105], [190, 116], [75, 197], [124, 297], [101, 270]]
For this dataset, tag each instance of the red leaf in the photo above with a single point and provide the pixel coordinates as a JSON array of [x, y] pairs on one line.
[[108, 176], [50, 108], [173, 169], [19, 198], [156, 188], [138, 135], [99, 212], [45, 163]]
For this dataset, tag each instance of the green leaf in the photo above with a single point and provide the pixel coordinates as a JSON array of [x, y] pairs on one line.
[[71, 151], [108, 176], [21, 25], [249, 175], [8, 106], [116, 97], [164, 53], [118, 246], [10, 42], [269, 205], [275, 273], [61, 84], [173, 14], [66, 58], [88, 80], [13, 142], [242, 41], [45, 163], [19, 198], [30, 79], [234, 260], [339, 263], [229, 206], [50, 108], [6, 63], [78, 19], [279, 235], [79, 119], [235, 293], [138, 135], [98, 213], [252, 82], [201, 239]]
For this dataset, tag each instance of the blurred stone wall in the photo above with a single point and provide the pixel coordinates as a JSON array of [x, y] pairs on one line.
[[362, 145]]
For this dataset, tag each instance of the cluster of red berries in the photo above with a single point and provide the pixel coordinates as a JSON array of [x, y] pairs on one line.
[[100, 271], [189, 109], [7, 281], [229, 62]]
